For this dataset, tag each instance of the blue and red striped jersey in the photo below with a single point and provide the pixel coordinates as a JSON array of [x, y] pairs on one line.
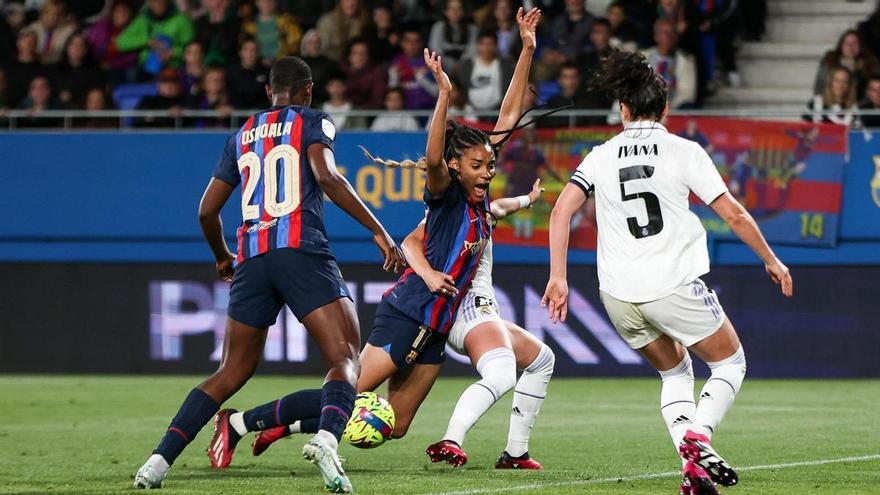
[[456, 233], [282, 205]]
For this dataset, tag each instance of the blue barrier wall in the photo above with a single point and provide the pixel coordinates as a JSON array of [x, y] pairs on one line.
[[130, 197]]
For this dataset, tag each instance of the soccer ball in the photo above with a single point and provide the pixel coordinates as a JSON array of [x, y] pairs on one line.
[[371, 423]]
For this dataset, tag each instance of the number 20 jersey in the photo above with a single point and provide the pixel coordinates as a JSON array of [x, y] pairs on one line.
[[282, 205], [649, 242]]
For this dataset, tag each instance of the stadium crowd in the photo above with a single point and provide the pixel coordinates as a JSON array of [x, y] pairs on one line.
[[172, 55]]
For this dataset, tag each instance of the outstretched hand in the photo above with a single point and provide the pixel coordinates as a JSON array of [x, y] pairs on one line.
[[535, 193], [433, 61], [528, 24]]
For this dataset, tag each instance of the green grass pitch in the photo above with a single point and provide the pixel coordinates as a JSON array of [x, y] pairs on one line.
[[84, 435]]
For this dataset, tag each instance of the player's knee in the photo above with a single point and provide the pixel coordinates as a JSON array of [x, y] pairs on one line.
[[684, 370], [732, 369], [544, 364], [498, 369]]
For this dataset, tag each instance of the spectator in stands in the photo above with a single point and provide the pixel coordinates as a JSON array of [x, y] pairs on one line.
[[322, 66], [409, 72], [673, 10], [217, 31], [120, 67], [337, 105], [416, 11], [624, 33], [168, 99], [392, 120], [869, 29], [851, 53], [193, 68], [454, 37], [337, 27], [600, 37], [7, 40], [97, 100], [248, 78], [76, 74], [571, 92], [711, 30], [276, 35], [503, 23], [53, 29], [366, 81], [159, 33], [24, 69], [570, 32], [485, 75], [39, 99], [211, 95], [871, 102], [458, 103], [677, 67], [837, 101], [383, 34]]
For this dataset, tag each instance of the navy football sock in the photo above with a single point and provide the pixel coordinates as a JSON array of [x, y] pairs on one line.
[[337, 402], [309, 425], [284, 411], [196, 410]]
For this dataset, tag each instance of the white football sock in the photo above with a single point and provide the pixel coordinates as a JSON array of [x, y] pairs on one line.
[[498, 369], [295, 427], [528, 396], [677, 404], [328, 438], [236, 420], [719, 392]]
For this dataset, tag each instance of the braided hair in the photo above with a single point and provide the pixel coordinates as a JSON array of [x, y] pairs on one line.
[[460, 137], [629, 78]]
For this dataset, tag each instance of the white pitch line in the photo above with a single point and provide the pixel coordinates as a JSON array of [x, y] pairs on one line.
[[651, 476]]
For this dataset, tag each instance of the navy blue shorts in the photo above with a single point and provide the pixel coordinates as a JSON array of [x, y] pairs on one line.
[[395, 332], [263, 284]]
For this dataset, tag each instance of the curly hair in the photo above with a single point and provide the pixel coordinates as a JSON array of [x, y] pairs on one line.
[[629, 78]]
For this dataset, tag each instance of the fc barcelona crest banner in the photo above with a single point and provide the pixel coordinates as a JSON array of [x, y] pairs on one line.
[[788, 174]]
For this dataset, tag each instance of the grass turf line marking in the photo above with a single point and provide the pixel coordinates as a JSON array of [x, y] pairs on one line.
[[651, 476]]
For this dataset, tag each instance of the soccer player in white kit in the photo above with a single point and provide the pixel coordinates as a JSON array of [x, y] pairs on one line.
[[651, 253], [496, 348]]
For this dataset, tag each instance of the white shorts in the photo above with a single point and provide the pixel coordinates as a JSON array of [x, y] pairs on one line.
[[688, 315], [477, 307]]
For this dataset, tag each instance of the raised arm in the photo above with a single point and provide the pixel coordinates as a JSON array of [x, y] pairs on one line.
[[438, 174], [511, 106], [744, 226], [503, 207], [413, 248], [556, 294], [338, 189]]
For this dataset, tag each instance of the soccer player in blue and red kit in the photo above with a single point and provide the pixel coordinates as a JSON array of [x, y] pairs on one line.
[[283, 158]]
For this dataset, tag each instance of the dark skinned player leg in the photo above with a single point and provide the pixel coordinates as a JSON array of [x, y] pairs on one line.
[[242, 348]]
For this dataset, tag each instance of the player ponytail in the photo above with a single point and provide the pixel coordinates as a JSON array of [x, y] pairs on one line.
[[628, 78], [460, 137]]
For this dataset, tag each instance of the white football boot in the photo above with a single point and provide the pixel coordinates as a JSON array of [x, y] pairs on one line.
[[325, 458], [151, 474]]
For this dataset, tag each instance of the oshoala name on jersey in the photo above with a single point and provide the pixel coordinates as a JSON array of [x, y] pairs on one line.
[[636, 150], [266, 130]]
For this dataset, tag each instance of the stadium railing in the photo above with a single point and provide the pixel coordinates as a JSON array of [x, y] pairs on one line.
[[27, 120]]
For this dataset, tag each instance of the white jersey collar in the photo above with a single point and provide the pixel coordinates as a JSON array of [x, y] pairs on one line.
[[644, 125]]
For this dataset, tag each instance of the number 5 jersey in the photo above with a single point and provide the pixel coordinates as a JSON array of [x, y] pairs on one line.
[[649, 243]]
